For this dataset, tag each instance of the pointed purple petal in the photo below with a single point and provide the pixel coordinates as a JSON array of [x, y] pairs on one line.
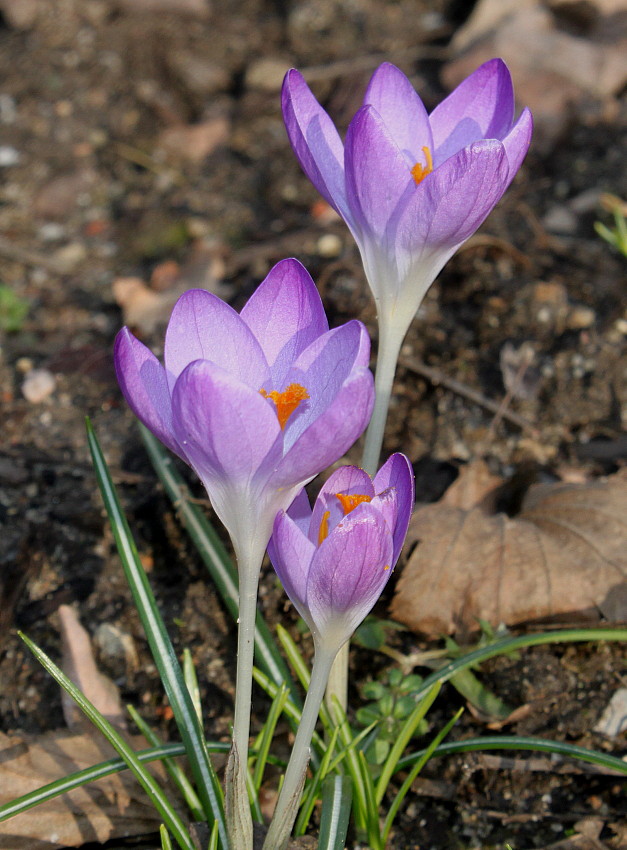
[[227, 429], [315, 141], [291, 552], [345, 480], [203, 327], [402, 111], [331, 434], [322, 369], [300, 511], [143, 382], [517, 142], [378, 176], [481, 107], [397, 477], [285, 314], [348, 573]]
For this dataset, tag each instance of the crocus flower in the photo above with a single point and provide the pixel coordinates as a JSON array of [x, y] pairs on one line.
[[335, 560], [258, 403], [411, 187]]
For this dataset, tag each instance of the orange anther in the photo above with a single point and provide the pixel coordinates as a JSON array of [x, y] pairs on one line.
[[323, 533], [349, 502], [287, 401], [420, 171]]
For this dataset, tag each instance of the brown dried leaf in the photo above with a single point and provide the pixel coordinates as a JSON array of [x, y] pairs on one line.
[[110, 808], [564, 554]]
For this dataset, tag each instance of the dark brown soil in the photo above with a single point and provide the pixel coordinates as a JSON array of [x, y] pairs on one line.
[[88, 90]]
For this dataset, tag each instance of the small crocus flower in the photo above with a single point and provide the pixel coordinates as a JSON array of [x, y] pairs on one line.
[[335, 560], [258, 403], [412, 187]]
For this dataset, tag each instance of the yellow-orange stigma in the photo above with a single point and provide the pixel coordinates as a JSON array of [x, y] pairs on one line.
[[287, 401], [350, 501], [420, 171], [323, 532]]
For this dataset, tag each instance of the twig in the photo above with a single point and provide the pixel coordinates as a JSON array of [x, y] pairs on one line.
[[438, 378]]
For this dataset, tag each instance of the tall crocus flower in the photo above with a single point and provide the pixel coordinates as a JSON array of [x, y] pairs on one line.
[[334, 561], [412, 187], [257, 403]]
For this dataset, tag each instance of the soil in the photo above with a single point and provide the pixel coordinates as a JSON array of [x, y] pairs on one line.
[[93, 192]]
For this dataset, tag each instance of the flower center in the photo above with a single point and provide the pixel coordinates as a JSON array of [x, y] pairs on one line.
[[350, 501], [287, 401], [420, 171]]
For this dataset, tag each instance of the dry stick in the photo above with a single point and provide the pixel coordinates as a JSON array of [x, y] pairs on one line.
[[438, 378]]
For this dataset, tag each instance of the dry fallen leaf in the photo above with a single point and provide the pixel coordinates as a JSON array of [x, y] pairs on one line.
[[110, 808], [565, 553]]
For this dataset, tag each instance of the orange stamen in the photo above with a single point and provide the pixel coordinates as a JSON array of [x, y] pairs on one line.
[[287, 401], [323, 533], [349, 502], [420, 171]]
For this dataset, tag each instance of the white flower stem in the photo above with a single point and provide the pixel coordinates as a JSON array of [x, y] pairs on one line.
[[289, 798], [390, 341]]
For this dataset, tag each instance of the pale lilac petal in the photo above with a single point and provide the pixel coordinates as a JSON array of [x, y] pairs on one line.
[[481, 107], [402, 111], [143, 382], [300, 511], [450, 204], [331, 434], [315, 141], [203, 327], [517, 142], [396, 478], [322, 369], [227, 429], [378, 177], [347, 574], [345, 480], [285, 314], [291, 552]]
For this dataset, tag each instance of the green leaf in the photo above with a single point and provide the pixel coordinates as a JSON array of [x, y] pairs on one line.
[[161, 647], [336, 809], [155, 793]]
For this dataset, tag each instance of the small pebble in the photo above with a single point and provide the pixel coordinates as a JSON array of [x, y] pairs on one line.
[[38, 385], [329, 246], [8, 156]]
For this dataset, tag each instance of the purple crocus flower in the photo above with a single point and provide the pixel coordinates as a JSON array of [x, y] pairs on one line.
[[335, 560], [259, 402], [412, 187]]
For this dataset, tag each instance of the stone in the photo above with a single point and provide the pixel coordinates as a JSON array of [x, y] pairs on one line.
[[38, 384]]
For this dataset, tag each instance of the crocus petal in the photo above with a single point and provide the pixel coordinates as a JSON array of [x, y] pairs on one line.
[[203, 327], [331, 434], [227, 429], [345, 480], [300, 511], [291, 552], [347, 574], [451, 202], [143, 381], [402, 111], [378, 176], [315, 141], [517, 142], [396, 476], [481, 107], [285, 314]]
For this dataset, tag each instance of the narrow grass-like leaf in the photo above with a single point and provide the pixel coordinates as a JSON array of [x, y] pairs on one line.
[[216, 559], [152, 788], [403, 738], [214, 838], [510, 644], [314, 786], [161, 647], [264, 741], [191, 680], [336, 808], [175, 772], [253, 799], [372, 810], [420, 763], [355, 770], [166, 844], [513, 742]]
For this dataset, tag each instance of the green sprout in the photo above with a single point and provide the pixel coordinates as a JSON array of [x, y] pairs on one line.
[[617, 235], [13, 310]]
